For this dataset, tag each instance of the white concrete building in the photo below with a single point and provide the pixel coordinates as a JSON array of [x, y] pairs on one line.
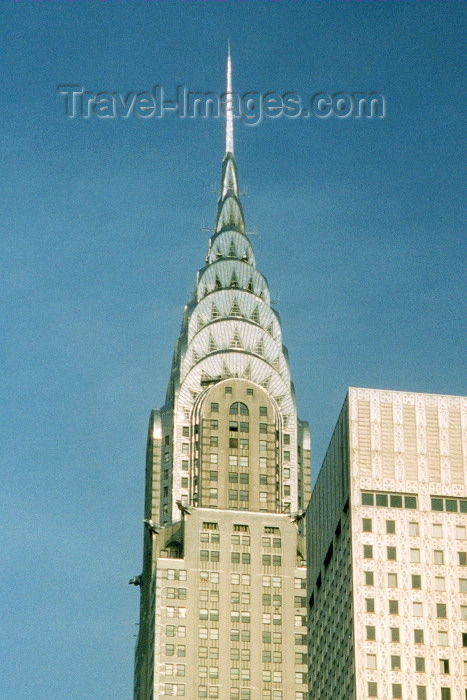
[[387, 551]]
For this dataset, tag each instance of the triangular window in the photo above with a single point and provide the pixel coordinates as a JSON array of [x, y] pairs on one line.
[[236, 342], [194, 393], [261, 296], [265, 383], [215, 313], [255, 315], [225, 371], [201, 322], [235, 310], [212, 344], [218, 254], [259, 347], [234, 281], [217, 284], [232, 251], [195, 356], [275, 363], [247, 372], [279, 399], [249, 287], [270, 329]]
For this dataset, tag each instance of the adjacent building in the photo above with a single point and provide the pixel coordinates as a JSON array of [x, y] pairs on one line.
[[223, 587], [387, 551]]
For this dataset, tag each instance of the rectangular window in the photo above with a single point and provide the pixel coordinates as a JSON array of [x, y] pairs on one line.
[[244, 427], [213, 440], [421, 692], [392, 580], [263, 427], [418, 636], [370, 605], [438, 556], [372, 689], [366, 524], [368, 551], [441, 610], [437, 530], [460, 532], [463, 585], [369, 578], [371, 661], [417, 609], [391, 553], [263, 445], [445, 693], [462, 558], [395, 663], [440, 584], [214, 408], [416, 581], [370, 633], [394, 607], [263, 410], [394, 634], [444, 665], [390, 527], [396, 690], [413, 529], [420, 664], [415, 556], [442, 638], [214, 425]]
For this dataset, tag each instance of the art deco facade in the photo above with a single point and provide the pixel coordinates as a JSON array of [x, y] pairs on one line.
[[387, 581], [223, 600]]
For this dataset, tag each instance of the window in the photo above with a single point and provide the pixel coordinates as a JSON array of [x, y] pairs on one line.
[[368, 551], [462, 585], [263, 427], [413, 529], [390, 527], [420, 664], [263, 445], [416, 581], [437, 530], [441, 610], [371, 660], [421, 692], [394, 607], [369, 578], [392, 580], [463, 612], [462, 558], [418, 636], [445, 693], [370, 605], [370, 633], [395, 663], [366, 525], [372, 689], [415, 556], [442, 638], [438, 556], [464, 639], [417, 610], [263, 410], [214, 408], [440, 584], [391, 553], [460, 532], [395, 637], [444, 665], [396, 690]]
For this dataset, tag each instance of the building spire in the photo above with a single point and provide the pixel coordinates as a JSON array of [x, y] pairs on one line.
[[229, 140]]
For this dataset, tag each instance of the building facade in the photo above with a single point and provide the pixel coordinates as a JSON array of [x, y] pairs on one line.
[[223, 587], [387, 551]]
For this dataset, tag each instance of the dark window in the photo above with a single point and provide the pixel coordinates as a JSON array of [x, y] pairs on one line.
[[214, 408]]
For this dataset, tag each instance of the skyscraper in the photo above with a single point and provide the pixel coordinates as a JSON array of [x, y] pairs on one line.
[[223, 601], [387, 551]]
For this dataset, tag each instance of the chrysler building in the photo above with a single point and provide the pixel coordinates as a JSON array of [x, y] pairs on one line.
[[223, 586]]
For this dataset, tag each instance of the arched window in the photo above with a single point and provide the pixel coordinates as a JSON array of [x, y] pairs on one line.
[[239, 408]]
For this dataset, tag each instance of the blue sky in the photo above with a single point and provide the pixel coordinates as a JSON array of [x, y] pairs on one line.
[[361, 236]]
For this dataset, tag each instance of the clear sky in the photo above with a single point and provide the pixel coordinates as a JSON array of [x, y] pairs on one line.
[[361, 227]]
